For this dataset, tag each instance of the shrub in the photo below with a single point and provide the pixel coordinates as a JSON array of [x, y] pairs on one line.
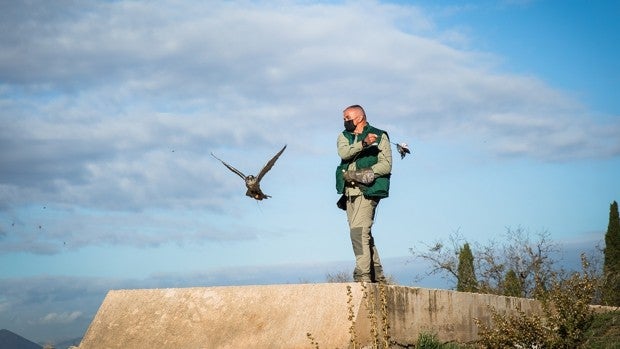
[[566, 316], [427, 341], [604, 332]]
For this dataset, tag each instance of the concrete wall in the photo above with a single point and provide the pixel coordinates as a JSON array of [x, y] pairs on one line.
[[280, 316], [449, 314]]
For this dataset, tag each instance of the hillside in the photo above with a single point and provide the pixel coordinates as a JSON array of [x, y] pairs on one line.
[[10, 340]]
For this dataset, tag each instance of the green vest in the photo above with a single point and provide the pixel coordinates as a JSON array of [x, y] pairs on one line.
[[367, 157]]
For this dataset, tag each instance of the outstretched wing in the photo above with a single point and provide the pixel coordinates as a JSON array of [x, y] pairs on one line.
[[403, 149], [230, 167], [269, 165]]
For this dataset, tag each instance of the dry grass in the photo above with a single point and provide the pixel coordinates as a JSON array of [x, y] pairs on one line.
[[379, 327]]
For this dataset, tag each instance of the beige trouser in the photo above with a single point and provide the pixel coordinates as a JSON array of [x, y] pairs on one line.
[[361, 214]]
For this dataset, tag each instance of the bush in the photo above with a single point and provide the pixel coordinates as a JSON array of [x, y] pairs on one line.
[[604, 332], [566, 316], [429, 341]]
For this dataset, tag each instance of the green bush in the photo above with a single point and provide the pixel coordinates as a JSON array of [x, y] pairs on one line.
[[566, 317], [604, 332], [428, 340]]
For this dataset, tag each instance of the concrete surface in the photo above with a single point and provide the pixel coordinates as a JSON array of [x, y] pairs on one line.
[[449, 314], [280, 316]]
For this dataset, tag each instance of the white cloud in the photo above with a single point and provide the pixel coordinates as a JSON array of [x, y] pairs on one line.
[[61, 318], [257, 64], [116, 105]]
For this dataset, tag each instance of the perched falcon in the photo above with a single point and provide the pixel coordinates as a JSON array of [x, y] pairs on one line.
[[251, 182]]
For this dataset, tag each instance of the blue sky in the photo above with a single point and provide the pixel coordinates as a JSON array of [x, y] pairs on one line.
[[109, 110]]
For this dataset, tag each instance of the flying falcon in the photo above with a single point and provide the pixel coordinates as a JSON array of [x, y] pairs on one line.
[[251, 182], [403, 149]]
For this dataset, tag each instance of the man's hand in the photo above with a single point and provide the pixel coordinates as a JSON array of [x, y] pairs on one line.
[[364, 176], [369, 139]]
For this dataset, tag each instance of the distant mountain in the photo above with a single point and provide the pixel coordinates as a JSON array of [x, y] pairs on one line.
[[10, 340], [67, 343]]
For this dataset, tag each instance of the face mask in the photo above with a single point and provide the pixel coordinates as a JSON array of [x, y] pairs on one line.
[[349, 125]]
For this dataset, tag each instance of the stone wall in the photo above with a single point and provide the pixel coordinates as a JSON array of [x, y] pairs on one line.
[[280, 316]]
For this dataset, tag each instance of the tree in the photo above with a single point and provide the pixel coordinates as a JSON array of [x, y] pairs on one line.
[[531, 259], [443, 259], [466, 275], [512, 285], [611, 264]]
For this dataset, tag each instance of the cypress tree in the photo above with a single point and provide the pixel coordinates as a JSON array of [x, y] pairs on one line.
[[512, 284], [611, 266], [466, 274]]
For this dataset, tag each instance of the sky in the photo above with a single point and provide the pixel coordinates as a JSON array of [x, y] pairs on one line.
[[109, 111]]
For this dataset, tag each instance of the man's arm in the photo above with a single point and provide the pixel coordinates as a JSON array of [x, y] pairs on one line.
[[345, 150], [384, 163]]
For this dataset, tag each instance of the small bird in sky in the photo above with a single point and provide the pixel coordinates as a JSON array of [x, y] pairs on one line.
[[403, 149], [252, 182]]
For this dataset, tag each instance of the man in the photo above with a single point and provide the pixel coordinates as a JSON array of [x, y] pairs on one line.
[[363, 177]]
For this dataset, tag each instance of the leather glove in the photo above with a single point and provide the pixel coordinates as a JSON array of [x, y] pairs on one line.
[[364, 176]]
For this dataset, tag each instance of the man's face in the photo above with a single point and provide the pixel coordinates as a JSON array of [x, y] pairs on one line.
[[354, 115]]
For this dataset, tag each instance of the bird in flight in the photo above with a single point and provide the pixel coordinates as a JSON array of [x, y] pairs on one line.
[[403, 149], [252, 182]]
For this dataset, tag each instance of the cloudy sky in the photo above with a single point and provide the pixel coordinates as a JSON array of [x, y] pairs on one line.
[[109, 111]]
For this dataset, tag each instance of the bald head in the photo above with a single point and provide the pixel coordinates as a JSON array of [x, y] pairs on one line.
[[356, 109]]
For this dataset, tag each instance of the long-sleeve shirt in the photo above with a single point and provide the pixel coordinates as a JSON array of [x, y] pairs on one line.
[[348, 151]]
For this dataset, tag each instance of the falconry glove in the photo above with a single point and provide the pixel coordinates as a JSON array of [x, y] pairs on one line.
[[364, 176]]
